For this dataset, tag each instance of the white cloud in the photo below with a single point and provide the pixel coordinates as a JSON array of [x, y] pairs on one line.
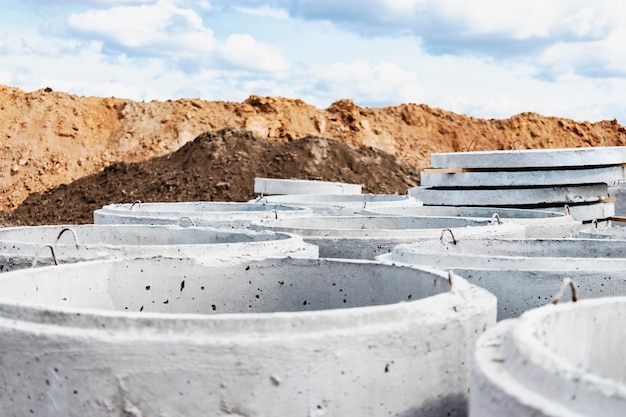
[[160, 29], [5, 77], [264, 11], [365, 83], [244, 51]]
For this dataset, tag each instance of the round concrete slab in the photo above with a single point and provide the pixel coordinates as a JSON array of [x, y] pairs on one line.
[[209, 214], [342, 205], [556, 361], [281, 337], [21, 246], [365, 237], [526, 178], [520, 254], [589, 193], [532, 158], [272, 186]]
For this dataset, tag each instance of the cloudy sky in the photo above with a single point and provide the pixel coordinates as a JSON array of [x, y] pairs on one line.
[[483, 58]]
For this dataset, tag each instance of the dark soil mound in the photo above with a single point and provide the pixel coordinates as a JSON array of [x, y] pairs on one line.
[[216, 166]]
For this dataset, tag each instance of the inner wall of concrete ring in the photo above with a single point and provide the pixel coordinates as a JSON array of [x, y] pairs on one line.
[[556, 361], [366, 237], [280, 337], [22, 247], [524, 273], [208, 214]]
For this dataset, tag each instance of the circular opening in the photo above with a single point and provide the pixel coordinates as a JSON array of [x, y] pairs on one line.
[[183, 287]]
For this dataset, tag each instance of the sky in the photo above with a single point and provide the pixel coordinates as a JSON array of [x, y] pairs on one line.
[[482, 58]]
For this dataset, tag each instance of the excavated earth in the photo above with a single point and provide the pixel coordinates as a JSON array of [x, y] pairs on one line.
[[64, 155]]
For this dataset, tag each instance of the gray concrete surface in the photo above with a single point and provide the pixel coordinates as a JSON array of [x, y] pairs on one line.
[[19, 246], [559, 361], [532, 158], [281, 337], [273, 186], [589, 193]]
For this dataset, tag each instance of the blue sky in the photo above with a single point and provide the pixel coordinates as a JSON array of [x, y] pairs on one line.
[[483, 58]]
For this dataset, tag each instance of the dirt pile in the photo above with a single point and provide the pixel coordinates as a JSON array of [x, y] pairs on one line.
[[49, 138], [217, 166]]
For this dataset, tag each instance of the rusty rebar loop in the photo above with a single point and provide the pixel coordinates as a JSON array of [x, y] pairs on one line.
[[443, 232], [564, 284], [275, 213], [193, 224], [54, 256], [261, 198], [568, 212], [364, 205], [519, 145], [67, 229], [138, 202], [450, 279], [595, 223], [495, 219], [472, 145]]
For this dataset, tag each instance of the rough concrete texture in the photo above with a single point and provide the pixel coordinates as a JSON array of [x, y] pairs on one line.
[[526, 178], [612, 230], [532, 158], [520, 254], [281, 337], [618, 191], [515, 197], [272, 186], [71, 243], [559, 361], [208, 214]]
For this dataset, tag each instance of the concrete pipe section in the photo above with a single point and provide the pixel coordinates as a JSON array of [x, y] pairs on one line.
[[210, 214], [365, 237], [557, 361], [272, 186], [520, 254], [22, 247], [280, 337], [342, 205], [539, 223]]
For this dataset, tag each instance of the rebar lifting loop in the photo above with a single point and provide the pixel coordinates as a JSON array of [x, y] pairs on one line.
[[138, 202], [472, 145], [519, 144], [54, 256], [567, 210], [443, 232], [193, 224], [496, 219], [564, 284], [67, 229], [261, 198]]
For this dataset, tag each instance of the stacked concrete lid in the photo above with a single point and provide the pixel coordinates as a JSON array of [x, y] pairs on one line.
[[198, 213], [558, 361], [25, 246], [337, 205], [548, 178], [274, 186], [280, 337], [365, 237], [524, 273]]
